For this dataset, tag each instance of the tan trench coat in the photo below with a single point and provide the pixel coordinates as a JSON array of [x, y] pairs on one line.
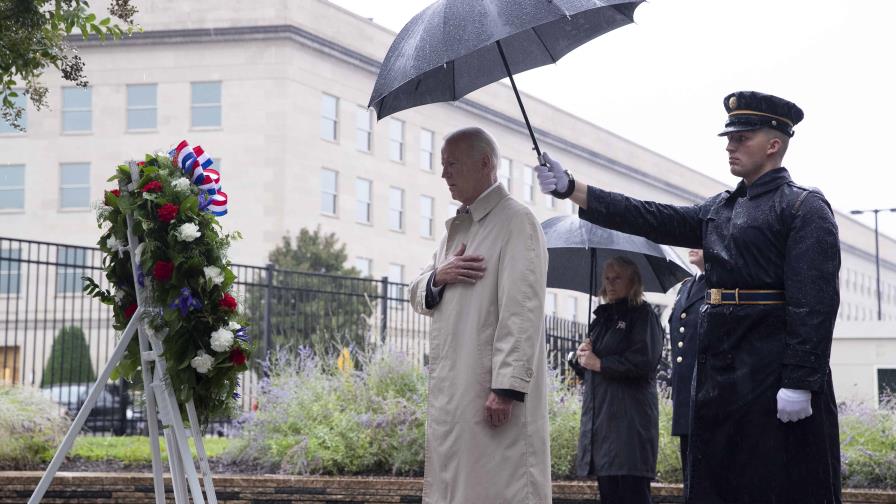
[[488, 335]]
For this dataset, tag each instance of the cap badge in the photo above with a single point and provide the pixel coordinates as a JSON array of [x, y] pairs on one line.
[[732, 102]]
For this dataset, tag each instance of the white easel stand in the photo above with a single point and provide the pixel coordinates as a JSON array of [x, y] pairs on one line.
[[161, 404]]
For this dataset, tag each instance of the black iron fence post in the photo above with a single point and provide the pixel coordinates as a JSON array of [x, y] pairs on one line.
[[269, 284], [384, 307]]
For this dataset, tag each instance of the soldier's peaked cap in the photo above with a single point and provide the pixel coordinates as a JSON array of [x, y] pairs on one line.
[[750, 110]]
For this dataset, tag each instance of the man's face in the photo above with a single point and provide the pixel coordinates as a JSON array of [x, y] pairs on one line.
[[465, 174], [748, 151], [695, 257]]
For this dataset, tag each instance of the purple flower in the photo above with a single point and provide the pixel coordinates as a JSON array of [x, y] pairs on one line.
[[204, 201], [186, 302], [140, 278]]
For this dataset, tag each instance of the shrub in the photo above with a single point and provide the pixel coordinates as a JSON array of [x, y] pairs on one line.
[[313, 418], [564, 413], [868, 445], [69, 360], [31, 427]]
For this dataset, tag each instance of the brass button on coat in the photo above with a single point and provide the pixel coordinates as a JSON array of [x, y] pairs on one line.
[[681, 330], [678, 360], [680, 344], [684, 316]]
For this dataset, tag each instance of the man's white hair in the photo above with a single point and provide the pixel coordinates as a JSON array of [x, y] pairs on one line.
[[480, 142]]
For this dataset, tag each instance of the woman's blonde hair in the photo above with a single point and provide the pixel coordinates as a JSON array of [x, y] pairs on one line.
[[628, 267]]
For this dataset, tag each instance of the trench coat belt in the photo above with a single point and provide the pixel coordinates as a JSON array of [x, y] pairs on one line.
[[744, 296]]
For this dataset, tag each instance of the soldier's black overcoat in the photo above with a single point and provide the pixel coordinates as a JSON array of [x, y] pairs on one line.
[[772, 234], [683, 322]]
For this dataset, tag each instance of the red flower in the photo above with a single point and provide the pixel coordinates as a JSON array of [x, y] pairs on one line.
[[141, 163], [237, 357], [129, 311], [168, 212], [113, 192], [162, 270], [227, 302], [116, 192], [153, 186]]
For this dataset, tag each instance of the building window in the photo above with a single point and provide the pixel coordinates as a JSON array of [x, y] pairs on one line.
[[572, 308], [364, 201], [142, 107], [76, 109], [328, 191], [206, 104], [528, 185], [12, 187], [550, 304], [504, 174], [74, 185], [19, 101], [396, 140], [426, 141], [363, 129], [549, 201], [886, 386], [216, 165], [426, 217], [570, 207], [329, 117], [364, 265], [396, 281], [10, 271], [71, 262], [396, 209], [453, 207]]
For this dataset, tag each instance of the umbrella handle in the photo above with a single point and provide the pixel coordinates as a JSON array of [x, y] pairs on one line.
[[519, 100]]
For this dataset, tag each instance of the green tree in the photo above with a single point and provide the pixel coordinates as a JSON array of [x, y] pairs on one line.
[[69, 360], [33, 37], [316, 300]]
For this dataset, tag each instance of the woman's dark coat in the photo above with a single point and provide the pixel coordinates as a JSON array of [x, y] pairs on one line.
[[619, 430]]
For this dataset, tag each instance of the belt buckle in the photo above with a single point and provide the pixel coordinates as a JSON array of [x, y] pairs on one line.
[[715, 296]]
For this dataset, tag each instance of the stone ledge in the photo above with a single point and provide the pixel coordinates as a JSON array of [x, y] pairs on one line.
[[137, 488]]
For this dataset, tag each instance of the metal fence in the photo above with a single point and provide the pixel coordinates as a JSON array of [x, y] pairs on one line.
[[57, 339]]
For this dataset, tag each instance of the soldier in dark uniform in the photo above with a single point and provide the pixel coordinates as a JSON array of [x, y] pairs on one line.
[[764, 419], [683, 340]]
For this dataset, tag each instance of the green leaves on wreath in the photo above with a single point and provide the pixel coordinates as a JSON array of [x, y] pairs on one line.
[[93, 289]]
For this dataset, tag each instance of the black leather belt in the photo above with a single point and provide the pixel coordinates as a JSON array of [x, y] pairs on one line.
[[744, 296]]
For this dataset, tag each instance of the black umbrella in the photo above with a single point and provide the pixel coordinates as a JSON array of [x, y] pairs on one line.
[[578, 249], [454, 47]]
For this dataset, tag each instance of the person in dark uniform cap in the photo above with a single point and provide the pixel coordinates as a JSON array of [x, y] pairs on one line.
[[763, 426], [683, 340]]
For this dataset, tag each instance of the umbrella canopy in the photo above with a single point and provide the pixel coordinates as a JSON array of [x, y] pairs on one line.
[[578, 249], [454, 47]]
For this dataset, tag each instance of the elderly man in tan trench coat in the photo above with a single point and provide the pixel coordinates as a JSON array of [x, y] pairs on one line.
[[487, 427]]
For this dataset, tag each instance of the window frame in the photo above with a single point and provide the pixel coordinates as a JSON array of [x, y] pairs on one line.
[[12, 188], [219, 105], [89, 109], [334, 194], [154, 108], [400, 210]]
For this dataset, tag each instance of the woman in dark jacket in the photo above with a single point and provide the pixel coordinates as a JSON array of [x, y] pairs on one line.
[[619, 433]]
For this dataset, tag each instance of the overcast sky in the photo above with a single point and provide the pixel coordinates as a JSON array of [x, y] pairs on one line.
[[660, 83]]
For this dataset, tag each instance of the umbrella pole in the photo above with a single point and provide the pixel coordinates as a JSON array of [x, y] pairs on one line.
[[590, 283], [519, 100]]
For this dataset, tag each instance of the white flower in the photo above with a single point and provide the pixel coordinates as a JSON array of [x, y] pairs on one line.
[[119, 295], [139, 250], [115, 244], [214, 275], [181, 185], [187, 232], [222, 340], [233, 326], [202, 362], [102, 212]]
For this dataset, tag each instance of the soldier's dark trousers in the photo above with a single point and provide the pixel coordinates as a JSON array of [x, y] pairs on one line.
[[684, 461], [624, 490]]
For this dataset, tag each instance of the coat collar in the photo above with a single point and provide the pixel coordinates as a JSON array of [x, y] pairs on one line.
[[488, 201], [765, 183]]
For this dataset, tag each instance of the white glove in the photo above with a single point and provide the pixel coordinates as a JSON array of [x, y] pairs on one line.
[[794, 405], [551, 175]]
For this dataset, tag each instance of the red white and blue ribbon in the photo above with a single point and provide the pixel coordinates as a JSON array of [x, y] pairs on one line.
[[197, 167]]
